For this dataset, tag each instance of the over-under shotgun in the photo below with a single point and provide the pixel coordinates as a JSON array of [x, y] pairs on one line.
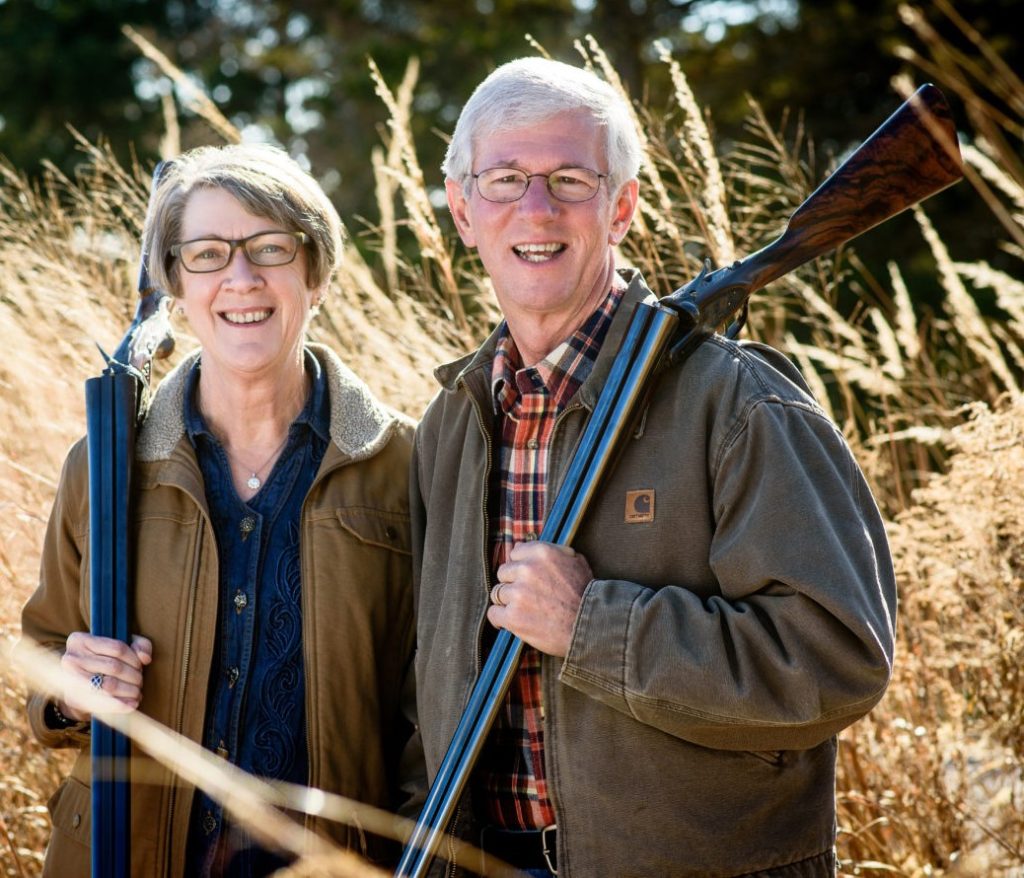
[[114, 403]]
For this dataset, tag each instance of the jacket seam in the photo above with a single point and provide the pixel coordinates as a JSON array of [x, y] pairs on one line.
[[375, 511], [631, 695], [743, 421], [625, 658]]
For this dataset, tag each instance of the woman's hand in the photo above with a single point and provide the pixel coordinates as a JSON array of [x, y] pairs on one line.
[[116, 667]]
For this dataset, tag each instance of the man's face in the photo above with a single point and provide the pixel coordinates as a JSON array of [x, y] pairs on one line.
[[550, 261]]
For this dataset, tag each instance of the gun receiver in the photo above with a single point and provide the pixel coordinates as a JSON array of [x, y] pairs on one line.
[[150, 335]]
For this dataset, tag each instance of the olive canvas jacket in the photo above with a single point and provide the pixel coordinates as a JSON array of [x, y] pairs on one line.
[[357, 614], [737, 620]]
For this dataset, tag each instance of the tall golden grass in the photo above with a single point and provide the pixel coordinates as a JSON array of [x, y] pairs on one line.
[[931, 782]]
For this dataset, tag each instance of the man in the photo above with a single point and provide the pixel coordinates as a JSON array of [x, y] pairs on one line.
[[692, 658]]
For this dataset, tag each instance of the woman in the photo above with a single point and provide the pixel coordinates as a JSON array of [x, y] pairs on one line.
[[272, 602]]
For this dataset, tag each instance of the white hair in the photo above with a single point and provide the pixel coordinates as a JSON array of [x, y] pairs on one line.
[[528, 91]]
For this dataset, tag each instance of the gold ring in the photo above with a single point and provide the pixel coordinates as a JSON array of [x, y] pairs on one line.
[[496, 594]]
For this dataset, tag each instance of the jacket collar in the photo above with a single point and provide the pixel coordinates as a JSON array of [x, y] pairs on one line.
[[473, 370], [360, 425]]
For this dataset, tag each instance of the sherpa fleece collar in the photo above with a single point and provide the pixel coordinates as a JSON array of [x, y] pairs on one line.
[[360, 424]]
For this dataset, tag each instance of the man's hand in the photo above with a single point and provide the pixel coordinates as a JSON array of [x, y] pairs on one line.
[[538, 595], [113, 666]]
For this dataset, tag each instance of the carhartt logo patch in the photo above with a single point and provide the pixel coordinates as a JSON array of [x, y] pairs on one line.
[[639, 506]]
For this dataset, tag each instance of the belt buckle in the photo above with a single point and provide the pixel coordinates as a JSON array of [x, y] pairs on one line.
[[545, 848]]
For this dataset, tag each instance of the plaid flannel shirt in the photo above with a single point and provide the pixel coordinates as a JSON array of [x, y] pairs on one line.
[[510, 784]]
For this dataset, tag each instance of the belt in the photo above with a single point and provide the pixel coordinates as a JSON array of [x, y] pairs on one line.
[[524, 849]]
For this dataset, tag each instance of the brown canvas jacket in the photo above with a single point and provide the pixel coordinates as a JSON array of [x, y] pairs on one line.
[[690, 731], [358, 626]]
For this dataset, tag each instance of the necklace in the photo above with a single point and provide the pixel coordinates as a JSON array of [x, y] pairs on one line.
[[254, 483]]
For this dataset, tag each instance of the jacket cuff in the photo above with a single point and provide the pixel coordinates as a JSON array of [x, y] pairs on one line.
[[596, 661], [77, 735]]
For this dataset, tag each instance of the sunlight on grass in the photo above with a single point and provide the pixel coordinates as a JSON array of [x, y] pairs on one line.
[[930, 783]]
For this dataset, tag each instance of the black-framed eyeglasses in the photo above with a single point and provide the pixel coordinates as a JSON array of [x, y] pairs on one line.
[[503, 185], [203, 255]]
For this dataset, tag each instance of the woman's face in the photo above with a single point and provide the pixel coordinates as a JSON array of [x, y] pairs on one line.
[[250, 319]]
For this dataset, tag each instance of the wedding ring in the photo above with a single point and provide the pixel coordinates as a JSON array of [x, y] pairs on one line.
[[97, 681], [496, 594]]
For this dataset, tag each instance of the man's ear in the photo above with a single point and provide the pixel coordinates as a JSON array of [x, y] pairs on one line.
[[623, 210], [459, 207]]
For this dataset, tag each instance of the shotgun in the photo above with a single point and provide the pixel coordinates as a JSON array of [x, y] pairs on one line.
[[913, 155], [115, 401]]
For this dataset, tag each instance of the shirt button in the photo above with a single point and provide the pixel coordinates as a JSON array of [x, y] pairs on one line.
[[233, 675], [76, 821], [532, 443], [209, 822], [531, 536], [221, 750], [246, 526], [240, 601]]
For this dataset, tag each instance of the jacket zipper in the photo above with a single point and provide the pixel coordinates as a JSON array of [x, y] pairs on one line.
[[489, 444], [451, 866], [185, 661]]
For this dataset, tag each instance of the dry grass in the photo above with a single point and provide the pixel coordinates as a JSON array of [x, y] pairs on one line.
[[931, 782]]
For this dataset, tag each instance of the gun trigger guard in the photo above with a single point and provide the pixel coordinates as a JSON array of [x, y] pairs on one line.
[[737, 325]]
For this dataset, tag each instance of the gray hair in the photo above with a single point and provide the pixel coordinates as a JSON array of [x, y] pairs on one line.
[[268, 183], [527, 91]]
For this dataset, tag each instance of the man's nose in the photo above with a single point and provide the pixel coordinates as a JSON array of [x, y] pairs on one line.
[[538, 197]]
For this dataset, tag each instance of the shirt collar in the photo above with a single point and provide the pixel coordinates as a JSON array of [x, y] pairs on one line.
[[558, 374]]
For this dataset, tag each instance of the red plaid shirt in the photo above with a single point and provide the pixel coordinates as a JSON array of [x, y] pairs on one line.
[[511, 786]]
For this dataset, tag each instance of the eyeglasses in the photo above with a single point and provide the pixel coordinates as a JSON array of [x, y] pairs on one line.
[[203, 255], [503, 185]]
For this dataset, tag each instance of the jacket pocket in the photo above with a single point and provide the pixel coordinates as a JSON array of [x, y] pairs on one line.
[[71, 813], [772, 757], [377, 527]]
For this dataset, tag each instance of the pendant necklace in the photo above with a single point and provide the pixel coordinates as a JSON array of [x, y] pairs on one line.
[[254, 483]]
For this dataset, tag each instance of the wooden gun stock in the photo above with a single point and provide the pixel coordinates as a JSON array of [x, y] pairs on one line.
[[913, 155]]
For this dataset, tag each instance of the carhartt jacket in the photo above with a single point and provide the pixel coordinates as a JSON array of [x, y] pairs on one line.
[[357, 615], [742, 613]]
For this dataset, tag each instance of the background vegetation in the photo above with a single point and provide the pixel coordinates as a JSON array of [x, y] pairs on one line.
[[917, 352]]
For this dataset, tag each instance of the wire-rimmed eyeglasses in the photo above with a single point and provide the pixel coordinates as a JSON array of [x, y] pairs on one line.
[[203, 255], [503, 185]]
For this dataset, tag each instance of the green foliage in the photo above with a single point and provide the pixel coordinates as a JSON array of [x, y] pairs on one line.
[[65, 62], [296, 72]]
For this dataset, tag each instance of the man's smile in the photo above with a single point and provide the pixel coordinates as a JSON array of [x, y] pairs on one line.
[[538, 252]]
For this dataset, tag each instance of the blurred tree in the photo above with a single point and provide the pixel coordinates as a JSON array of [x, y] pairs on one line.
[[295, 71], [831, 64], [65, 62]]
